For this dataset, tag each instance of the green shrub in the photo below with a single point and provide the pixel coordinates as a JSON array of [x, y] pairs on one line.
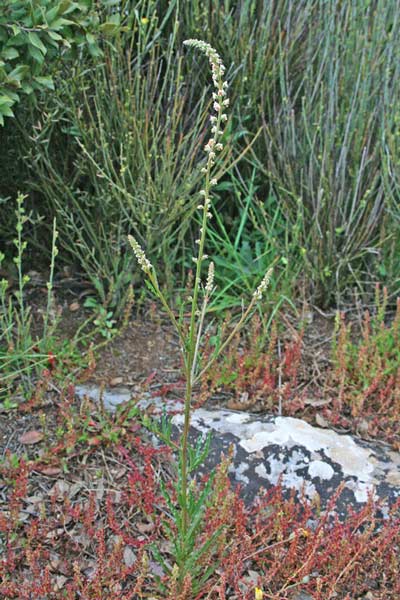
[[34, 36], [31, 347], [119, 152], [322, 120], [314, 88], [318, 83]]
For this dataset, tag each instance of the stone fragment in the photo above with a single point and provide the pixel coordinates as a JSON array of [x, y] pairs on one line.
[[268, 450]]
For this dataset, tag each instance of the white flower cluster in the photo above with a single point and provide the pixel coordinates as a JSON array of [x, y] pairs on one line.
[[212, 147], [263, 285], [143, 261], [210, 279], [220, 103]]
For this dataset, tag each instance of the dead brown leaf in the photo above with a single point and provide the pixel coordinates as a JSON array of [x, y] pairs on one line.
[[49, 471], [31, 437], [60, 582], [316, 403], [144, 528], [321, 421], [129, 556], [59, 489]]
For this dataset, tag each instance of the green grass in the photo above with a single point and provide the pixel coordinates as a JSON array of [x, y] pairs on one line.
[[245, 239], [31, 346]]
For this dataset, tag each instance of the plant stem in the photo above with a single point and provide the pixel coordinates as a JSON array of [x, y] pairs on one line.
[[191, 351], [194, 336], [228, 340], [184, 452], [54, 252]]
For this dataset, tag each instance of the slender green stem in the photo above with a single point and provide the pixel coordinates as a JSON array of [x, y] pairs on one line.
[[190, 365], [154, 281], [54, 252], [194, 335], [237, 327], [199, 334], [20, 249]]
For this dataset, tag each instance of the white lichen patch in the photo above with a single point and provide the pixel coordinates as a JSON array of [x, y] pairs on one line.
[[239, 472], [321, 469], [393, 477], [254, 435], [238, 424], [239, 417], [287, 474], [261, 471], [361, 490]]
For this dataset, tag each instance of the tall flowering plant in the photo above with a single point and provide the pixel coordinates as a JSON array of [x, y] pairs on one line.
[[188, 515]]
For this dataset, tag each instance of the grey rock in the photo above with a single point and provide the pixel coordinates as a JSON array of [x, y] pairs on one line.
[[314, 461], [268, 450], [109, 398]]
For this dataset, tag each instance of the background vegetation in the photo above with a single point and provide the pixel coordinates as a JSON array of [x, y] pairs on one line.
[[108, 138], [103, 129], [103, 120]]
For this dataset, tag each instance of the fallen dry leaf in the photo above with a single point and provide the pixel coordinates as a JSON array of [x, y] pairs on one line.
[[156, 570], [143, 527], [100, 490], [54, 534], [55, 561], [363, 427], [59, 489], [115, 496], [61, 580], [321, 421], [118, 473], [316, 403], [36, 499], [49, 471], [252, 578], [74, 306], [75, 488], [31, 437]]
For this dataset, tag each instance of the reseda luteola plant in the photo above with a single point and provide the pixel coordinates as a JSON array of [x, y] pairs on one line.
[[190, 338]]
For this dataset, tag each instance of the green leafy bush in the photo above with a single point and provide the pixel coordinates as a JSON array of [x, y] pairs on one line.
[[34, 36]]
